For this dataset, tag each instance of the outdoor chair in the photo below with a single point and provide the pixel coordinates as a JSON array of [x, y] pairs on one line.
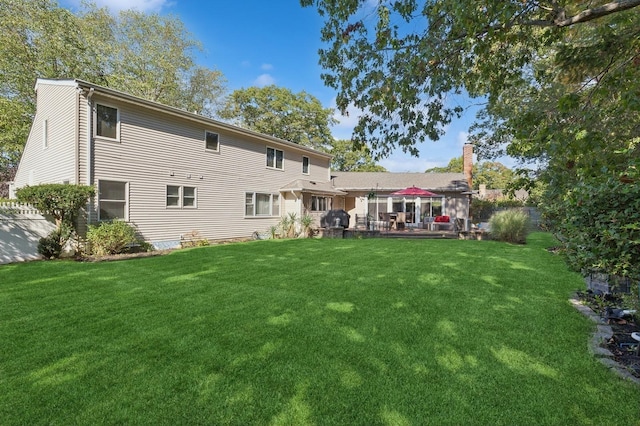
[[441, 222]]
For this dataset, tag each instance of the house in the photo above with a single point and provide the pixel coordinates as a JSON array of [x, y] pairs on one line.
[[170, 173], [167, 171], [370, 193]]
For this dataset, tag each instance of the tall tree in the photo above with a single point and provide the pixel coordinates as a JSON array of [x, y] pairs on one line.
[[491, 173], [348, 159], [398, 61], [146, 55], [455, 165], [277, 111]]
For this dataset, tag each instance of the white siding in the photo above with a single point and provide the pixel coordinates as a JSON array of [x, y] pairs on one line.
[[55, 163], [157, 149]]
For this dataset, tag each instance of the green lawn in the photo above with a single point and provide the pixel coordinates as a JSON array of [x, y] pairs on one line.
[[293, 332]]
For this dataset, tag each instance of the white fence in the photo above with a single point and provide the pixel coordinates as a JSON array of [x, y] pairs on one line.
[[21, 226]]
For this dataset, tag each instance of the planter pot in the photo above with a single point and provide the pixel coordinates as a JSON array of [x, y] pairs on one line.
[[607, 283]]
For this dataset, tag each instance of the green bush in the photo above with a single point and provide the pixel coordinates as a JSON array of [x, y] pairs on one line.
[[51, 246], [598, 223], [61, 201], [111, 237], [511, 226]]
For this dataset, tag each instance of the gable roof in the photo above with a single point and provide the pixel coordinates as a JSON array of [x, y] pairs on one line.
[[125, 97], [388, 181]]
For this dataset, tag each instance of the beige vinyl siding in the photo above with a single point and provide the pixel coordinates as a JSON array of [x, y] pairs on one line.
[[156, 150], [57, 162]]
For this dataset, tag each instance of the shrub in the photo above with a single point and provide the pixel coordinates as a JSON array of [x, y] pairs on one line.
[[511, 226], [111, 237], [51, 246], [599, 224], [193, 239], [61, 201]]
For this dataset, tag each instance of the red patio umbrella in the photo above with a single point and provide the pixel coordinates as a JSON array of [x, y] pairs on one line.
[[415, 192]]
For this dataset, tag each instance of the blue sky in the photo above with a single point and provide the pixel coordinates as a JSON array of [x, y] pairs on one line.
[[256, 43]]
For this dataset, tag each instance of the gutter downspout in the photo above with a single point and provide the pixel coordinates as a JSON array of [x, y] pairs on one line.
[[89, 148]]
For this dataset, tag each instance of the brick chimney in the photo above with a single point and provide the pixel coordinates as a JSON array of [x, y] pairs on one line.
[[467, 163]]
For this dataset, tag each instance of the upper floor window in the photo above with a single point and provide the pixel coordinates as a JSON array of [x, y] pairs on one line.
[[112, 200], [275, 158], [107, 121], [305, 165], [212, 142], [181, 196]]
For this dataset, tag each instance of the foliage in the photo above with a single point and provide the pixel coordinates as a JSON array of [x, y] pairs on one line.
[[493, 174], [51, 246], [349, 158], [193, 239], [455, 165], [61, 201], [147, 55], [481, 210], [276, 111], [274, 231], [511, 226], [599, 223], [307, 225], [112, 237], [399, 61]]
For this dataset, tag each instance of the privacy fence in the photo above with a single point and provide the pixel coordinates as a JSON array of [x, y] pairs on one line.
[[21, 226]]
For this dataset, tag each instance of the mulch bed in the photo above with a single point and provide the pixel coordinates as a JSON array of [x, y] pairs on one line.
[[620, 344]]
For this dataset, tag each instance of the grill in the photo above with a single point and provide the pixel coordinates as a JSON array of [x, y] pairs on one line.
[[335, 219]]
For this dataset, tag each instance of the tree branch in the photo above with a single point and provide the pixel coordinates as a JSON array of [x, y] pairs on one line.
[[561, 20]]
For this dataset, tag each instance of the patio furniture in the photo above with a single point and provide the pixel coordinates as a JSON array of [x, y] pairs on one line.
[[401, 219], [441, 222], [428, 223]]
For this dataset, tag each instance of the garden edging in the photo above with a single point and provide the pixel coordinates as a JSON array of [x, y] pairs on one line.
[[603, 333]]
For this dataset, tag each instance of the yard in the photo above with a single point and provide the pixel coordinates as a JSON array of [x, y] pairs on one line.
[[362, 332]]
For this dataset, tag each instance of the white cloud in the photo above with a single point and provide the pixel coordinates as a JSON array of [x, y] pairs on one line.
[[405, 163], [245, 64], [140, 5], [266, 67], [264, 80], [463, 137], [346, 123]]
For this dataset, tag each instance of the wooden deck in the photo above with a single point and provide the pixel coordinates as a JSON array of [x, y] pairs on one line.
[[409, 233]]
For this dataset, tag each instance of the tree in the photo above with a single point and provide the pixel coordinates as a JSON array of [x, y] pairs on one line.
[[399, 61], [455, 166], [493, 174], [348, 159], [60, 201], [276, 111], [146, 55], [153, 57]]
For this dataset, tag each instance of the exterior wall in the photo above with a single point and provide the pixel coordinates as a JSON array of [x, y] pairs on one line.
[[158, 149], [55, 163]]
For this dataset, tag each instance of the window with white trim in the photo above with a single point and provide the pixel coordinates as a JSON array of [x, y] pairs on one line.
[[275, 158], [211, 141], [112, 200], [181, 197], [305, 165], [319, 204], [261, 204], [107, 122]]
